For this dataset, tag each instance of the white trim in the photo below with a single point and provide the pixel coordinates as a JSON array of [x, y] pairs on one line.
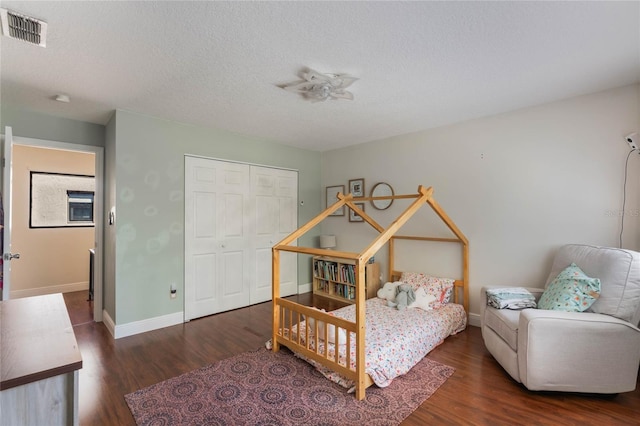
[[149, 324], [98, 205], [60, 288], [108, 322], [241, 162], [474, 320], [305, 288]]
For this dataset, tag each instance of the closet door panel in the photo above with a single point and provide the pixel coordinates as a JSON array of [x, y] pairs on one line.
[[275, 191], [205, 272], [233, 216], [216, 204], [200, 290], [287, 220], [263, 274], [232, 283]]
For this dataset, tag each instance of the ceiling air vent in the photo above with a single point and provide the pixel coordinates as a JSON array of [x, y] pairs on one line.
[[21, 27]]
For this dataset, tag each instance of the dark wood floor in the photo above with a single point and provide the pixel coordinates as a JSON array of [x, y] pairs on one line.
[[479, 392]]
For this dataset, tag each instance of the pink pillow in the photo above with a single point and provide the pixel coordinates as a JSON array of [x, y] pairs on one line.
[[440, 288]]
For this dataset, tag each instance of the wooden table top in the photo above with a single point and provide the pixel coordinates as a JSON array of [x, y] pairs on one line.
[[36, 340]]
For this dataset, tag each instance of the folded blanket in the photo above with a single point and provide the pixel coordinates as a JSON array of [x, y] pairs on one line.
[[510, 298]]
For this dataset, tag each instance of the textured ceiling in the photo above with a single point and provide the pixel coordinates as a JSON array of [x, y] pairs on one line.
[[219, 64]]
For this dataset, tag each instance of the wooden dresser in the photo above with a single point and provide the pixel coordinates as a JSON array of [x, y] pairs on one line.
[[39, 362]]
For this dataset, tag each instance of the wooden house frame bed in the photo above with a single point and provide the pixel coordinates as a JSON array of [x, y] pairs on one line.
[[288, 315]]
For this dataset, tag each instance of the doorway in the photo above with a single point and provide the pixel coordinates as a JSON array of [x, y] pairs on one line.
[[87, 237]]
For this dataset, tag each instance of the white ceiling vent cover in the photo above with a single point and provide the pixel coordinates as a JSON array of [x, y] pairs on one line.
[[21, 27]]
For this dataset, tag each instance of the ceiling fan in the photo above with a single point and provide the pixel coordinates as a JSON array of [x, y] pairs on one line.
[[320, 87]]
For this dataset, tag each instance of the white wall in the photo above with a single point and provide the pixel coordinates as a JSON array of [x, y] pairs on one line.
[[518, 185]]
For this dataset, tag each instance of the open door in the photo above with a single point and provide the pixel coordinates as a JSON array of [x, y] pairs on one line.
[[7, 175]]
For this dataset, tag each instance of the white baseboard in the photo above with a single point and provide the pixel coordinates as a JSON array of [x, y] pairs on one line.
[[108, 322], [41, 291], [305, 288], [474, 319], [137, 327]]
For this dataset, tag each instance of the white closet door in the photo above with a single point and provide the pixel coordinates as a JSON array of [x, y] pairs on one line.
[[234, 214], [275, 193], [217, 258]]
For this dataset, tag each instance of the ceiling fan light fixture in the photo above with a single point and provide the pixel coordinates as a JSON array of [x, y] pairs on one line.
[[319, 87]]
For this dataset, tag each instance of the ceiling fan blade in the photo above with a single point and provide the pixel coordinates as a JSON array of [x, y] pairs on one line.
[[342, 94], [299, 87], [312, 75], [346, 80]]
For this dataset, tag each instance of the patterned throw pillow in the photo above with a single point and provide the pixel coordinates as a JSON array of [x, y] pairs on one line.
[[571, 291], [440, 288]]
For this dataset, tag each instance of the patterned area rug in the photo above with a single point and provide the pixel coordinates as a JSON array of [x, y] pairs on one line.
[[266, 388]]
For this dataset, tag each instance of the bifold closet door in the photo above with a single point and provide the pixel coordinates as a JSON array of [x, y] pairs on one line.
[[217, 200], [275, 194], [234, 213]]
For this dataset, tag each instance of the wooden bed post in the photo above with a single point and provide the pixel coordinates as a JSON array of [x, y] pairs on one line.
[[465, 276], [361, 297], [392, 256], [275, 295]]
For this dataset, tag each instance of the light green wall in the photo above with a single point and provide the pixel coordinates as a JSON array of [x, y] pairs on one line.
[[145, 156], [29, 124], [149, 170]]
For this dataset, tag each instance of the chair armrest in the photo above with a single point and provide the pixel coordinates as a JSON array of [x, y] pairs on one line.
[[588, 347], [571, 319]]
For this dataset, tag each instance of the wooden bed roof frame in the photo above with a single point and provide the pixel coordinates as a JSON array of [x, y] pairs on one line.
[[423, 197]]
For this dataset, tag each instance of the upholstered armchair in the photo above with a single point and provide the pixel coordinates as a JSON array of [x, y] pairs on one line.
[[595, 351]]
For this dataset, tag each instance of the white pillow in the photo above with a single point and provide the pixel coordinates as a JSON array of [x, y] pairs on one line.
[[423, 300], [342, 333]]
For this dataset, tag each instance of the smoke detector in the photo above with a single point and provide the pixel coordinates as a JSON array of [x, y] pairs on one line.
[[22, 27]]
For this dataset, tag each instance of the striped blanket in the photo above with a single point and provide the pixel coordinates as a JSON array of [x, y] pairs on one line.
[[510, 298]]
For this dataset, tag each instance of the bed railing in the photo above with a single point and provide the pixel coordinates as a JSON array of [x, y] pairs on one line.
[[296, 331]]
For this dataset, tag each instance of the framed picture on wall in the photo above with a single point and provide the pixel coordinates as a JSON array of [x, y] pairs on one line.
[[59, 200], [332, 198], [353, 216], [356, 187]]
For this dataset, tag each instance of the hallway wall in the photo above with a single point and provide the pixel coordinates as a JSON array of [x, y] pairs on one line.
[[51, 260]]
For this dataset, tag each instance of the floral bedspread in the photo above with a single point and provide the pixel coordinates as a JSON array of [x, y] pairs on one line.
[[395, 340]]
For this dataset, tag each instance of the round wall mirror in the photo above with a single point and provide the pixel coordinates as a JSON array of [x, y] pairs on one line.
[[382, 189]]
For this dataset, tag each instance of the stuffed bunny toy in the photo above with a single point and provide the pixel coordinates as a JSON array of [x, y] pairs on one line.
[[388, 291], [404, 296]]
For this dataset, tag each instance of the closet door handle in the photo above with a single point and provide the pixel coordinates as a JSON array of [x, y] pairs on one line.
[[9, 256]]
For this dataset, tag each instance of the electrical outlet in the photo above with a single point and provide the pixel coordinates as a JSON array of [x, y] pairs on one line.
[[173, 291], [632, 140]]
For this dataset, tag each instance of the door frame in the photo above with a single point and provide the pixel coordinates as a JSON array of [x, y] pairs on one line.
[[98, 151]]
